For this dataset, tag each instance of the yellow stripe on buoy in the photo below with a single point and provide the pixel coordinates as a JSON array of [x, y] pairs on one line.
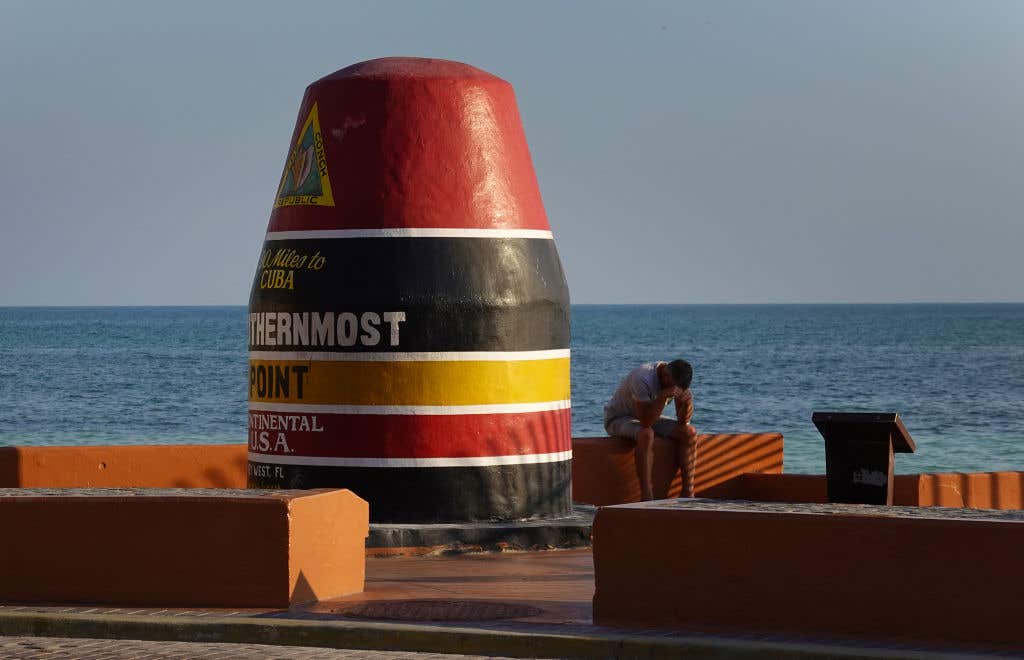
[[461, 383]]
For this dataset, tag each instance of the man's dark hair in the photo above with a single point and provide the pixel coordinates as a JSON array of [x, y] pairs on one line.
[[681, 372]]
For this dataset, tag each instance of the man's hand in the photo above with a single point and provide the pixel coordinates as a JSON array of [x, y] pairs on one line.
[[674, 392], [647, 412]]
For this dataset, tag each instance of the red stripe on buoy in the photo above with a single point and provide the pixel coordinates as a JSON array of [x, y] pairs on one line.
[[409, 436]]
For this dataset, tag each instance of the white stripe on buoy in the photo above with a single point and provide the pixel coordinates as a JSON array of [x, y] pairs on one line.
[[408, 232], [441, 356], [453, 461], [342, 409]]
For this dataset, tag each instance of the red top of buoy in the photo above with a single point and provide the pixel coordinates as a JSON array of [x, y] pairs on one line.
[[410, 67], [411, 143]]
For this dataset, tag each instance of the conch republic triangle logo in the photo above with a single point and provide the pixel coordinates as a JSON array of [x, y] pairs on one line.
[[305, 181]]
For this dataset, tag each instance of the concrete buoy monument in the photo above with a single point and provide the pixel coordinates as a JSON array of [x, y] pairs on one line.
[[409, 316]]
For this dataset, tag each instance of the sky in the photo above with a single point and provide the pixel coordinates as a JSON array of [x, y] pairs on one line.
[[687, 152]]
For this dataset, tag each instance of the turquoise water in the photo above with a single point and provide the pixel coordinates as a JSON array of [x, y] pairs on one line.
[[178, 374]]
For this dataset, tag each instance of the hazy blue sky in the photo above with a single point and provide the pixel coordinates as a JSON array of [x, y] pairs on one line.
[[687, 152]]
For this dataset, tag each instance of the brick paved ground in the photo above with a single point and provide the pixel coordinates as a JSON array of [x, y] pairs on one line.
[[55, 648]]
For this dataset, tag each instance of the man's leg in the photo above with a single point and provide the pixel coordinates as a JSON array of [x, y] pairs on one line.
[[644, 455], [685, 437]]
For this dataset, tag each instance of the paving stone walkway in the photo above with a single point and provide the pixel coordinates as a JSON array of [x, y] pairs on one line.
[[513, 604], [55, 648]]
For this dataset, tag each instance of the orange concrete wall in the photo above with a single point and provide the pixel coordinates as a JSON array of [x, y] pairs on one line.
[[943, 581], [203, 549], [604, 471], [773, 488], [977, 490], [603, 468], [327, 545], [729, 466], [124, 466]]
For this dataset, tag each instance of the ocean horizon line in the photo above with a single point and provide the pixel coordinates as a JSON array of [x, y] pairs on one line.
[[964, 303]]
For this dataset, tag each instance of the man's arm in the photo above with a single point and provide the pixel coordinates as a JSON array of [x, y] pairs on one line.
[[684, 407], [648, 412]]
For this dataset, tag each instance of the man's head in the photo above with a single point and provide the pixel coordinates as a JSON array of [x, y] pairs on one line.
[[681, 373]]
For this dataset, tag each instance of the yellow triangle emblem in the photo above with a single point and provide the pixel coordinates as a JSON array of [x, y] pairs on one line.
[[305, 181]]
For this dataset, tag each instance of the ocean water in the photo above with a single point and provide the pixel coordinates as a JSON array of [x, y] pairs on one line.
[[955, 373]]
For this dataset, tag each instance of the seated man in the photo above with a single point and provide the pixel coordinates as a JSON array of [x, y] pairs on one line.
[[634, 411]]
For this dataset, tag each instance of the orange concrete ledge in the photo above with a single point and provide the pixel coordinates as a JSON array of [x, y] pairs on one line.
[[604, 471], [124, 466], [191, 548], [603, 468], [971, 490], [925, 575], [729, 466], [806, 488], [976, 490]]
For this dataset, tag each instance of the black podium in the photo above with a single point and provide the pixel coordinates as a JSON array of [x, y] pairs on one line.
[[859, 451]]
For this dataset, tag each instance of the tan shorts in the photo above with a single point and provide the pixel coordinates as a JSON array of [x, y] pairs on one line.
[[628, 427]]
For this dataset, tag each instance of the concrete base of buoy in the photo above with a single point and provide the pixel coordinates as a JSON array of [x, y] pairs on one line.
[[572, 531]]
